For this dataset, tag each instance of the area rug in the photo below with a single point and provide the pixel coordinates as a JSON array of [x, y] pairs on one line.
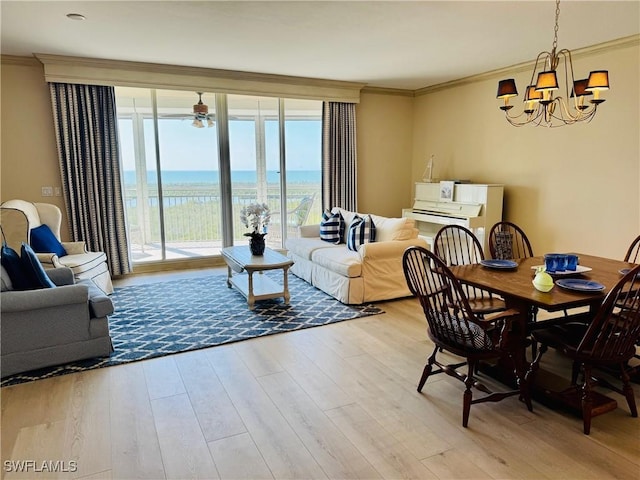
[[158, 319]]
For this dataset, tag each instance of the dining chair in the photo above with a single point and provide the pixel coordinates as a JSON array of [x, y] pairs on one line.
[[633, 253], [507, 241], [633, 256], [457, 245], [454, 327], [607, 341]]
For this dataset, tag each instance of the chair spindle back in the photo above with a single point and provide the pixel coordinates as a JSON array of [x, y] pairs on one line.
[[615, 330]]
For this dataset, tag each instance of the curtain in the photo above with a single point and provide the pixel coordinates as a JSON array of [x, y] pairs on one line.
[[86, 132], [339, 176]]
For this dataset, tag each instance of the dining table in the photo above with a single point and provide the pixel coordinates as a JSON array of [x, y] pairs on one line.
[[515, 285]]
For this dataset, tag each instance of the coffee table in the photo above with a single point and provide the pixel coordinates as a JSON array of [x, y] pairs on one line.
[[259, 287]]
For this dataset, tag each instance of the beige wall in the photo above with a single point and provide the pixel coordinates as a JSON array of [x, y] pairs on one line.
[[28, 146], [384, 138], [574, 188], [571, 188]]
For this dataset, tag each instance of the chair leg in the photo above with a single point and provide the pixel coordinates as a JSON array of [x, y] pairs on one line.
[[587, 402], [628, 391], [575, 370], [427, 369], [468, 395]]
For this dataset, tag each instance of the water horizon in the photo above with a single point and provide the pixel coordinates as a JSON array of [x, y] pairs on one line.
[[204, 177]]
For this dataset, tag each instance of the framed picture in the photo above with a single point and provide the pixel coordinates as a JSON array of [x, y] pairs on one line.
[[446, 191]]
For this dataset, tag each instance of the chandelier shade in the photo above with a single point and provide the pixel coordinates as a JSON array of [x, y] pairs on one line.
[[507, 88], [598, 80], [554, 97], [547, 81]]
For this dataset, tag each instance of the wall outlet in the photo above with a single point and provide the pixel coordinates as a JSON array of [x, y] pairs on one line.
[[57, 191], [47, 191]]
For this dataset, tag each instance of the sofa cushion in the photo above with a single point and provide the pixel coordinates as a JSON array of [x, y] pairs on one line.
[[387, 228], [347, 215], [332, 227], [83, 262], [340, 260], [44, 241], [394, 228], [304, 247], [361, 231], [33, 269], [12, 262]]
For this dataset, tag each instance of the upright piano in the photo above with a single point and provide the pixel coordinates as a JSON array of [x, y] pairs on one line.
[[474, 206]]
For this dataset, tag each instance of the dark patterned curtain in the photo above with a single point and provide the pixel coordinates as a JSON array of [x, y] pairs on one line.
[[339, 175], [87, 136]]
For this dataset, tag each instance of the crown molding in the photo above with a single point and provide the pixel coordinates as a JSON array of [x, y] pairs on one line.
[[625, 42], [388, 91], [94, 71], [18, 60]]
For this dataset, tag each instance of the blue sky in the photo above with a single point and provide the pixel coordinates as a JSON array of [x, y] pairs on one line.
[[183, 147]]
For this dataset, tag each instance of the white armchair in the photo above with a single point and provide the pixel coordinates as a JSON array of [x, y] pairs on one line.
[[19, 217]]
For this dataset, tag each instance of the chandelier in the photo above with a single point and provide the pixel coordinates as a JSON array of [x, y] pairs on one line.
[[545, 103], [201, 114]]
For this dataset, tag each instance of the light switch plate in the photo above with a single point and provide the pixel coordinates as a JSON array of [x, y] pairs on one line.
[[47, 191]]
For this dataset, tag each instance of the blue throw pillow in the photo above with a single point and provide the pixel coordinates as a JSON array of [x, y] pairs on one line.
[[44, 241], [332, 227], [33, 269], [361, 231], [12, 263]]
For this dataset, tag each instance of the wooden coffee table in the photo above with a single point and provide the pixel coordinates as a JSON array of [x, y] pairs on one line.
[[259, 287]]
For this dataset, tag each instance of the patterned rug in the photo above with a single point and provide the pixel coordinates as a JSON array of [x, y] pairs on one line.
[[160, 319]]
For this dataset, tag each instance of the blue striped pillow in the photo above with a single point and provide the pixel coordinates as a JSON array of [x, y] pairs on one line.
[[332, 227], [361, 231]]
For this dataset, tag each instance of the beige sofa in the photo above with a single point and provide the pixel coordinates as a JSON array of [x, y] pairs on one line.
[[371, 274]]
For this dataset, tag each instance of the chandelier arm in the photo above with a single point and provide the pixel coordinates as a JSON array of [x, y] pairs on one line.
[[542, 107], [545, 56]]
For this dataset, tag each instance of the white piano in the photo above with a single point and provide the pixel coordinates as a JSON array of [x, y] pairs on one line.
[[475, 206]]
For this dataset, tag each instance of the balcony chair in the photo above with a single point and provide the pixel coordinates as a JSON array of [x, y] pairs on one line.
[[295, 218], [606, 342], [20, 217], [507, 241], [457, 245], [454, 327]]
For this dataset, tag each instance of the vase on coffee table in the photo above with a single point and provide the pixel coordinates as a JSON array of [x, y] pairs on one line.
[[256, 243]]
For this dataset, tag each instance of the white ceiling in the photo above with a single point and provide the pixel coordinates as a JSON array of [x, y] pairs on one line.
[[394, 44]]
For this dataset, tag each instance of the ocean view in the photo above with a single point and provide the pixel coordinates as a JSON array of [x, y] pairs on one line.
[[200, 177]]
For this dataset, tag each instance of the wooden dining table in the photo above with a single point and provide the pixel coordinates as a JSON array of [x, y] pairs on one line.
[[516, 288]]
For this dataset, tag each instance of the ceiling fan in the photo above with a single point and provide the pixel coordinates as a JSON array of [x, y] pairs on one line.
[[199, 115]]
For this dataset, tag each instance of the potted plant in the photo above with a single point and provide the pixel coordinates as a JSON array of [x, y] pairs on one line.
[[256, 216]]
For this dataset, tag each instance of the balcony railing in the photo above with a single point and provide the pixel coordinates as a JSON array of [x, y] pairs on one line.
[[192, 217]]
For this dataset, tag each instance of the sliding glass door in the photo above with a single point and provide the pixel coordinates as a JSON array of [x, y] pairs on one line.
[[175, 163]]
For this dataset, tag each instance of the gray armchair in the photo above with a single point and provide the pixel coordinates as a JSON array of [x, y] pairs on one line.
[[53, 326]]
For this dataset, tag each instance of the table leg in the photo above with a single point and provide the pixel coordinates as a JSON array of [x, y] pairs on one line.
[[251, 300], [228, 276], [285, 282]]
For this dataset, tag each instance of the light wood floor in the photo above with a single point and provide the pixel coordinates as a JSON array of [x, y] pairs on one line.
[[336, 402]]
